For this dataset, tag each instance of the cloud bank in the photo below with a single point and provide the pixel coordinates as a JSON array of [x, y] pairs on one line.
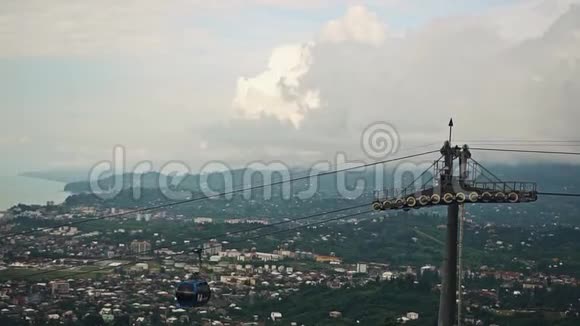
[[279, 91], [298, 81], [509, 73], [358, 25]]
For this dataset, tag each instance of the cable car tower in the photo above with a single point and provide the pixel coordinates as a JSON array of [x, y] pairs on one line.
[[448, 189]]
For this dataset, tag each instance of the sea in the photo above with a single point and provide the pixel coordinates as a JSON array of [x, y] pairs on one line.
[[28, 190]]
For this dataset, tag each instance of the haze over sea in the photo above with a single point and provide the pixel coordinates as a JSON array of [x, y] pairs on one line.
[[27, 190]]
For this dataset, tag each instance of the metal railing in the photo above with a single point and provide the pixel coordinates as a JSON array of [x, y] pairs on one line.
[[504, 186]]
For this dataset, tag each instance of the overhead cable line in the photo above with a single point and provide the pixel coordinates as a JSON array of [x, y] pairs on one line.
[[166, 205], [420, 177], [559, 194], [236, 241], [529, 144], [523, 151], [553, 141], [497, 179], [285, 221]]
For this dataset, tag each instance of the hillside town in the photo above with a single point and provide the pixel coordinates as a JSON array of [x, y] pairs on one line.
[[66, 275]]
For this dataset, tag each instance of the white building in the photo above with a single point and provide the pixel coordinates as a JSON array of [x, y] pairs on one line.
[[267, 257], [335, 314], [427, 268], [403, 320], [212, 248], [256, 221], [140, 246], [276, 316], [143, 217], [412, 315], [361, 268], [202, 220], [388, 276], [231, 253]]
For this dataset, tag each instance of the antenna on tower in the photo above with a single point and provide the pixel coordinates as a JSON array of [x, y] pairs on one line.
[[450, 129]]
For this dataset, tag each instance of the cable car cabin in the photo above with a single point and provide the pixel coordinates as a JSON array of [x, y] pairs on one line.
[[193, 293]]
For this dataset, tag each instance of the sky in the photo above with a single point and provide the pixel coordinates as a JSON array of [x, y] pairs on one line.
[[277, 80]]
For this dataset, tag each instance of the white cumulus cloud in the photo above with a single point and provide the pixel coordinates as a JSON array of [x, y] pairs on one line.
[[277, 91], [357, 25]]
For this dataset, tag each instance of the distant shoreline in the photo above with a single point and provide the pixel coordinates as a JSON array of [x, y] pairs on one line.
[[26, 189], [61, 177], [41, 177]]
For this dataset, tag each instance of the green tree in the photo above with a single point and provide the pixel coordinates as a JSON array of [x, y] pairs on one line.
[[122, 320], [93, 320]]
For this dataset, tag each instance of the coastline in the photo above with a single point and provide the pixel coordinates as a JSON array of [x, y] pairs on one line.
[[30, 190]]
